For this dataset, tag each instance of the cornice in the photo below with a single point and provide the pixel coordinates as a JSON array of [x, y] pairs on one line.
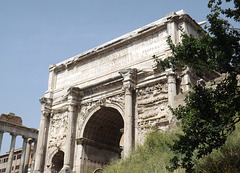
[[18, 130], [125, 39]]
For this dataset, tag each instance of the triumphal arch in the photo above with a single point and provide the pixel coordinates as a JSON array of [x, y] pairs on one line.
[[100, 104]]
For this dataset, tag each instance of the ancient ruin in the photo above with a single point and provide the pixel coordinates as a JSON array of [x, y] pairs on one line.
[[100, 104], [9, 123]]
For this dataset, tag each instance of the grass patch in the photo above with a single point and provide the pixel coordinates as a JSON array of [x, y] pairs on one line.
[[151, 157], [225, 159], [154, 156]]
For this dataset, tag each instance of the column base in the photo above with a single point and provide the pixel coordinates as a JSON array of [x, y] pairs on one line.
[[66, 169]]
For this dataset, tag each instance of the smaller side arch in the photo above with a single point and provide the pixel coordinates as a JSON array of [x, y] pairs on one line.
[[52, 152], [57, 161]]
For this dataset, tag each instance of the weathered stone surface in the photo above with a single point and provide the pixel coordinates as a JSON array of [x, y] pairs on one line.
[[58, 130], [11, 118], [9, 123], [118, 94]]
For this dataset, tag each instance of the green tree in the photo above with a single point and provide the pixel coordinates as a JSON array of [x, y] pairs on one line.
[[210, 113]]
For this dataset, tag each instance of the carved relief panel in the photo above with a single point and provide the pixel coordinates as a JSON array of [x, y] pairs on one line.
[[58, 129], [152, 107]]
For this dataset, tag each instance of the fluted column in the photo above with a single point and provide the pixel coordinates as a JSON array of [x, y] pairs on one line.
[[34, 155], [11, 152], [1, 136], [42, 135], [129, 83], [172, 88], [74, 96], [23, 155], [28, 150]]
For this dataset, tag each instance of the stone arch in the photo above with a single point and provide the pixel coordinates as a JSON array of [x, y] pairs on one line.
[[57, 161], [101, 135], [97, 107]]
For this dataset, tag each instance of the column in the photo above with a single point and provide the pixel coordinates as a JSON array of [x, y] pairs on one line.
[[11, 152], [172, 89], [34, 155], [28, 150], [79, 160], [1, 136], [42, 135], [186, 80], [23, 155], [74, 95], [129, 83]]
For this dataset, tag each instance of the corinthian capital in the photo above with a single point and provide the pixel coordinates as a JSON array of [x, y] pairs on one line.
[[171, 75], [74, 95], [129, 79], [74, 91], [128, 87], [46, 105], [129, 74], [45, 101]]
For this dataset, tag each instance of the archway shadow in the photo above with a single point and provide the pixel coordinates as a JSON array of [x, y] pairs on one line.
[[101, 138]]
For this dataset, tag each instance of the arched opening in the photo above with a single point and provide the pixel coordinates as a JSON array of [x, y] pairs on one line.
[[57, 162], [101, 138]]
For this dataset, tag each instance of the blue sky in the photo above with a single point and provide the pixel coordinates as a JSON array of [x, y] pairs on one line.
[[37, 33]]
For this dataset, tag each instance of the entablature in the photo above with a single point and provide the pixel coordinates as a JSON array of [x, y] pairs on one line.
[[18, 129]]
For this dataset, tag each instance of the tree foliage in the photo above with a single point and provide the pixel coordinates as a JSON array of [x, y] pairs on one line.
[[218, 50], [208, 118], [210, 113]]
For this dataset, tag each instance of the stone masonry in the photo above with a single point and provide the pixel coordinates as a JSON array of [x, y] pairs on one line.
[[9, 123], [101, 103]]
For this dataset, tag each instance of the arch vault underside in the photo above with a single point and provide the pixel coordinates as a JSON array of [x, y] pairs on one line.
[[101, 138]]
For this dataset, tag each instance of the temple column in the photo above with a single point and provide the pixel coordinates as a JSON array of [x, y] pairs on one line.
[[11, 152], [34, 155], [1, 136], [28, 150], [74, 95], [172, 88], [129, 84], [42, 135], [23, 155]]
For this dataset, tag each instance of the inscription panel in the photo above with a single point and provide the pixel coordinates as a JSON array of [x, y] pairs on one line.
[[148, 46], [104, 65]]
